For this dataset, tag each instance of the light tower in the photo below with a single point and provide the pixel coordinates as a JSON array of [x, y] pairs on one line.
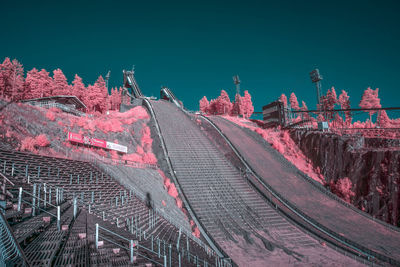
[[107, 78], [236, 81], [316, 78]]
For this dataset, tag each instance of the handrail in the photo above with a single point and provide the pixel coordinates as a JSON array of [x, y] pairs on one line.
[[131, 242], [341, 240], [9, 247], [212, 243]]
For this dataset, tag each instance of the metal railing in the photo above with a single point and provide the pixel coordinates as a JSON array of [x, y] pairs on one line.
[[10, 251]]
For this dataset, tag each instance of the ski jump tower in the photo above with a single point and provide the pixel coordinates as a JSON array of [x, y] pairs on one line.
[[131, 88]]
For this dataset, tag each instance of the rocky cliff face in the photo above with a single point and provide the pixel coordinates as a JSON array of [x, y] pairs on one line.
[[373, 169]]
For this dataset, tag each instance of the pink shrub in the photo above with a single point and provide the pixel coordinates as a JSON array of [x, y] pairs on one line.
[[342, 188], [28, 144], [163, 203], [196, 232], [149, 158], [41, 140], [31, 144], [139, 150], [179, 202], [172, 191], [109, 125], [50, 115]]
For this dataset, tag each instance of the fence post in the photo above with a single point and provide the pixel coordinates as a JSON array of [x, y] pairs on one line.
[[57, 196], [38, 172], [170, 254], [103, 216], [4, 168], [58, 218], [92, 196], [165, 260], [97, 235], [19, 198], [33, 200], [75, 208], [28, 179], [50, 195], [158, 241], [179, 259], [70, 179], [78, 178], [26, 170], [45, 192], [131, 247], [38, 195], [12, 169], [179, 238]]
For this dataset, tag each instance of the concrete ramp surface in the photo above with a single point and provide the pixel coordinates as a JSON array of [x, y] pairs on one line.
[[249, 230], [348, 222]]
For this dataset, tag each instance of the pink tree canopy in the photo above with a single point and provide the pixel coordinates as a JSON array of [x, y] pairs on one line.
[[283, 99], [294, 104], [248, 108], [223, 104], [370, 99], [11, 79], [46, 84], [204, 104], [78, 88], [344, 101], [60, 84]]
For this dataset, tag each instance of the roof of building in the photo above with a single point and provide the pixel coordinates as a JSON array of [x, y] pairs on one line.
[[64, 99]]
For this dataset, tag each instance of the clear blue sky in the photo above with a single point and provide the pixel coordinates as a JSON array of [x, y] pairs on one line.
[[195, 47]]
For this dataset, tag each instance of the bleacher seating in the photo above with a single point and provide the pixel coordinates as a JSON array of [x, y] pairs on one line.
[[48, 182]]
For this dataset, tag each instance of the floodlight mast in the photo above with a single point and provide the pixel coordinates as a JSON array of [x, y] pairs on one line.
[[236, 81], [317, 78], [107, 78]]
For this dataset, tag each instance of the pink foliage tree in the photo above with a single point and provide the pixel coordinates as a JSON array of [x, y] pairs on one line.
[[78, 88], [294, 104], [343, 188], [32, 84], [11, 80], [237, 106], [46, 84], [344, 101], [247, 108], [223, 104], [283, 99], [204, 104], [96, 96], [384, 120], [60, 84], [369, 100]]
